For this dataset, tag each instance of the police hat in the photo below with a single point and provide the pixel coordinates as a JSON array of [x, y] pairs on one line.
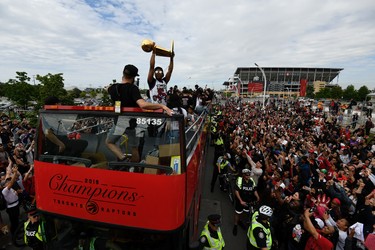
[[31, 210], [214, 218]]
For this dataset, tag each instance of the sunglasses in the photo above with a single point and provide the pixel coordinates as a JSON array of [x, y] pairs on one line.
[[158, 72]]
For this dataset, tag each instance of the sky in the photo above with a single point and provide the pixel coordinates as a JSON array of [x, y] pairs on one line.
[[91, 41]]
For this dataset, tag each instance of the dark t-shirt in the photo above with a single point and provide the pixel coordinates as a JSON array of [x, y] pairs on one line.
[[32, 240], [127, 93]]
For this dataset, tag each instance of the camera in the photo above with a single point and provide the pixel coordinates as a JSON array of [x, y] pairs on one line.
[[312, 210]]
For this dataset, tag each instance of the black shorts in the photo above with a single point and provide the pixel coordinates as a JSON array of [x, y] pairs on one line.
[[238, 208]]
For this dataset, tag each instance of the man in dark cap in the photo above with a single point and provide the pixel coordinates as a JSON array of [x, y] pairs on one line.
[[211, 237], [129, 96]]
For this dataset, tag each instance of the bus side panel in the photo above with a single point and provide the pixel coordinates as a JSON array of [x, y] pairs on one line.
[[153, 202], [194, 185]]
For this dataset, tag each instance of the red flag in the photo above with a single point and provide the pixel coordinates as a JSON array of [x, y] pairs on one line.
[[303, 86]]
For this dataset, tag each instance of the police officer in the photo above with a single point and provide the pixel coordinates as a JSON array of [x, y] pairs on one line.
[[223, 165], [245, 192], [259, 233], [219, 143], [34, 230], [220, 162], [211, 237]]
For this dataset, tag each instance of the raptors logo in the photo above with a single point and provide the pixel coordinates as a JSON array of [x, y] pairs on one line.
[[92, 207]]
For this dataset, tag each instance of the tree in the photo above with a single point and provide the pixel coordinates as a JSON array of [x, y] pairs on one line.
[[53, 85], [92, 93], [106, 100], [349, 93], [19, 91], [362, 93], [310, 91], [75, 93], [336, 92], [323, 93]]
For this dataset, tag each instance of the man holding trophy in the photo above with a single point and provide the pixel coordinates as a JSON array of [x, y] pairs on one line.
[[156, 79]]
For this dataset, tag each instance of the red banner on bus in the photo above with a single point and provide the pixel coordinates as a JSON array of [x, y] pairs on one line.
[[128, 199]]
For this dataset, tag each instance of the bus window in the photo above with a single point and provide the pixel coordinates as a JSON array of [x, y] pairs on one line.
[[93, 140]]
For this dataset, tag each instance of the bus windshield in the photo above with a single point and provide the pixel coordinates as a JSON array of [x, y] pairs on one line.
[[91, 140]]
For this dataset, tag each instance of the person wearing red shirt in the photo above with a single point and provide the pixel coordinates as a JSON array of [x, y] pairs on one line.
[[316, 240]]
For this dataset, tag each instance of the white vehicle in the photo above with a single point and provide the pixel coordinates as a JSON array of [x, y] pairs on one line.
[[5, 104]]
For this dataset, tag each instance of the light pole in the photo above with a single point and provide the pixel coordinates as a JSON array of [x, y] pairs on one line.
[[265, 83], [236, 77]]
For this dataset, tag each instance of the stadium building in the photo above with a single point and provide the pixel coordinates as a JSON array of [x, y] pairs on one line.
[[280, 82]]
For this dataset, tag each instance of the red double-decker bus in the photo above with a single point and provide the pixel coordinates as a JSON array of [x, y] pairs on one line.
[[147, 200]]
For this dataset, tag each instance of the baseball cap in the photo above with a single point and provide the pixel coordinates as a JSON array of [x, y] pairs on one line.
[[323, 170], [130, 70], [214, 218]]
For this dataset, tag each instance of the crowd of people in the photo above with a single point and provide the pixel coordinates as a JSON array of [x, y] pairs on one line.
[[314, 173], [16, 169]]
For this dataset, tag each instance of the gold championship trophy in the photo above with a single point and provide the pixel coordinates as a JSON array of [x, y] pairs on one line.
[[148, 46]]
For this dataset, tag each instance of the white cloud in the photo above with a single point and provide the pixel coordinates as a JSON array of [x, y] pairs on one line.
[[90, 41]]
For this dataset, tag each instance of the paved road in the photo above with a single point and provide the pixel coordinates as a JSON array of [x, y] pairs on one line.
[[218, 202]]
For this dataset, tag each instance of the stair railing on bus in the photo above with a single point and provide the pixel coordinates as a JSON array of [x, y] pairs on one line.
[[197, 124]]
